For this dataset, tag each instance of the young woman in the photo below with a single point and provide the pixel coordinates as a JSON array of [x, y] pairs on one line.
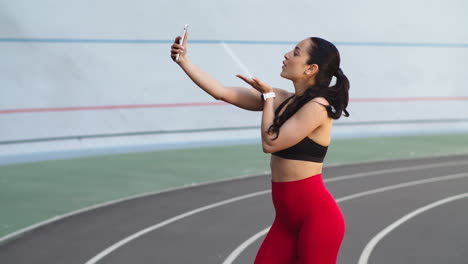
[[296, 128]]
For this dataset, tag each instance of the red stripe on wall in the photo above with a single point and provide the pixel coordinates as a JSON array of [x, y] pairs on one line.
[[113, 107], [105, 107], [409, 99]]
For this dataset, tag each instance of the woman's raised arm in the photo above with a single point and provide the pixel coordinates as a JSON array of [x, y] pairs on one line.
[[245, 98]]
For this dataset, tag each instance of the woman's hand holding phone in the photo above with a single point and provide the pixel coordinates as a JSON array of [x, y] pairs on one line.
[[179, 48]]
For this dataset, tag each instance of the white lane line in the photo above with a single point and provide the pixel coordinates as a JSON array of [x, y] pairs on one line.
[[364, 258], [112, 202], [101, 205], [176, 218], [402, 185], [394, 170], [237, 60], [169, 221], [244, 245], [234, 254]]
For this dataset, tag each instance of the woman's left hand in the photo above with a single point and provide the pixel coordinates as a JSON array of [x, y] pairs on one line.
[[256, 84]]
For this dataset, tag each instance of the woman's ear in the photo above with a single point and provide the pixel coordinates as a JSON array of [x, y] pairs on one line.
[[312, 69]]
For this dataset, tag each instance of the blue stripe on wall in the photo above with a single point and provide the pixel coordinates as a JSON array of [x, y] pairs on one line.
[[242, 42]]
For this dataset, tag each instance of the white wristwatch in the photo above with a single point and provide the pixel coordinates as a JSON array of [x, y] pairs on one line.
[[269, 95]]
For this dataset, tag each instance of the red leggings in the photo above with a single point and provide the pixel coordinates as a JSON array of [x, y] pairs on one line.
[[308, 228]]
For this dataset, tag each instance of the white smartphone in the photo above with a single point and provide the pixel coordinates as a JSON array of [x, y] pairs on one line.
[[182, 39]]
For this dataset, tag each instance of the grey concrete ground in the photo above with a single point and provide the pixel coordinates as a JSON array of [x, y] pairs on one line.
[[210, 234]]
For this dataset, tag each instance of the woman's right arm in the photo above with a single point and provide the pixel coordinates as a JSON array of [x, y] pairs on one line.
[[246, 98]]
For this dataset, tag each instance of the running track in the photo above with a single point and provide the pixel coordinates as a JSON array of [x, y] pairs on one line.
[[407, 211]]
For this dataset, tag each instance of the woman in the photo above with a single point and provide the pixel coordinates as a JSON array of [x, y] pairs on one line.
[[296, 128]]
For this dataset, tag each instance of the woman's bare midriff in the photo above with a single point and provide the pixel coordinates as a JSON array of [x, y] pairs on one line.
[[283, 170]]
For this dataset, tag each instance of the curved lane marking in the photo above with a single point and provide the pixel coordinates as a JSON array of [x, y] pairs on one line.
[[230, 259], [109, 203], [128, 239], [112, 202], [364, 258], [108, 250], [244, 245]]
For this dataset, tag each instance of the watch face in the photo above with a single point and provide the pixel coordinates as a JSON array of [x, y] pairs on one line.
[[268, 95]]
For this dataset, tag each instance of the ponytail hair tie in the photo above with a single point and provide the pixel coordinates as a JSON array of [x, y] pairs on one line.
[[338, 72]]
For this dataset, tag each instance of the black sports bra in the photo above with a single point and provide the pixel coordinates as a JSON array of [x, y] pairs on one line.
[[306, 149]]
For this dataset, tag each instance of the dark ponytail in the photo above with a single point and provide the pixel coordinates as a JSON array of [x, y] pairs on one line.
[[340, 95], [327, 57]]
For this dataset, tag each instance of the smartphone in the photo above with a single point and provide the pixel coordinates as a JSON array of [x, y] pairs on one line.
[[182, 39]]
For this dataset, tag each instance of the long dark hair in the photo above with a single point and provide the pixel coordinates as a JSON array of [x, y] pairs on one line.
[[326, 56]]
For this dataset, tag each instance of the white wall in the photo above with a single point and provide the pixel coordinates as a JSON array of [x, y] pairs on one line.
[[390, 49]]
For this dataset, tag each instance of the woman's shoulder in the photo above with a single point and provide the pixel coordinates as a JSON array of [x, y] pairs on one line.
[[317, 105], [320, 100]]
